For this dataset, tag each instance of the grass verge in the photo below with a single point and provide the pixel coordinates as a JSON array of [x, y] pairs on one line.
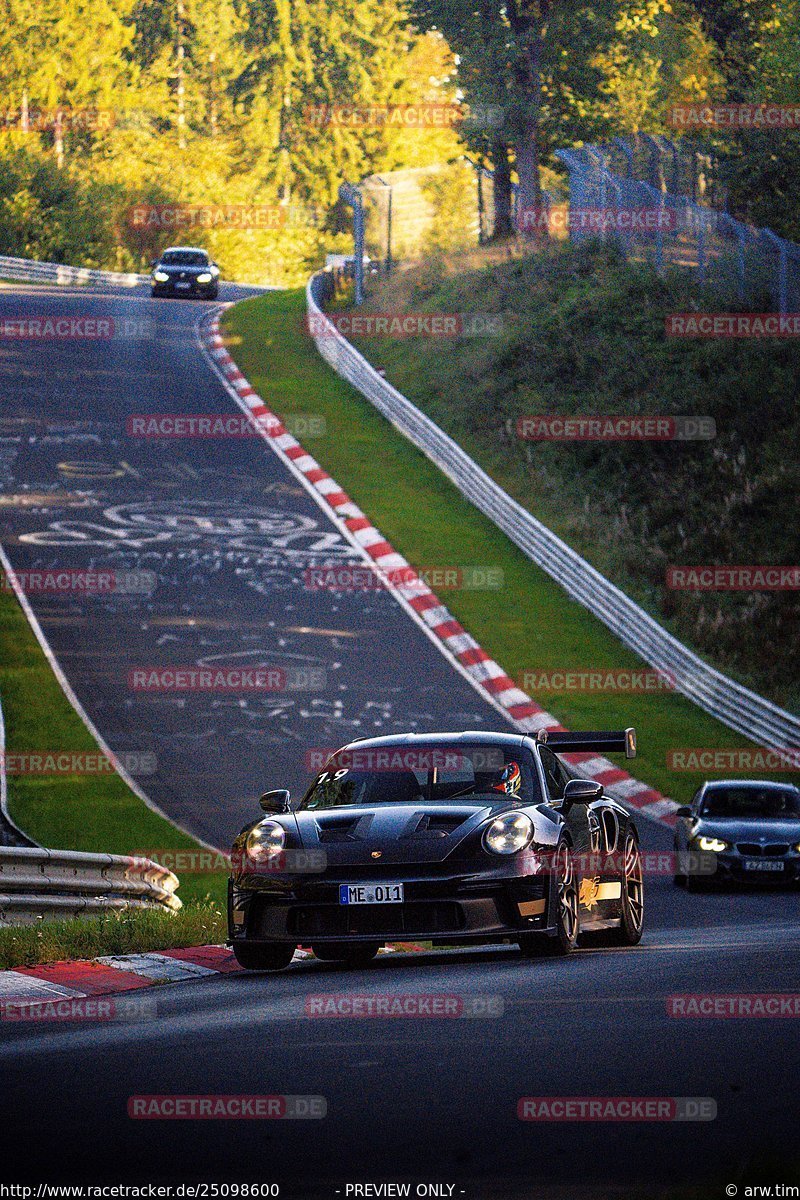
[[133, 931], [74, 812], [583, 333], [529, 624]]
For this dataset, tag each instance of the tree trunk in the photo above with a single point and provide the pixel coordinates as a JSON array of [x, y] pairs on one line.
[[503, 223], [527, 163], [530, 31]]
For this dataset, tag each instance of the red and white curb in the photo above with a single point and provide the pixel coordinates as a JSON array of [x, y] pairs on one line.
[[424, 606], [44, 987]]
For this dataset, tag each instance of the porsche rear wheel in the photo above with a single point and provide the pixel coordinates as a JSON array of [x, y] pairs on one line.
[[632, 920], [263, 958]]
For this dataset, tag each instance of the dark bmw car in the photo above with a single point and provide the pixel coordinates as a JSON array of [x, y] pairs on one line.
[[456, 839], [185, 271], [750, 829]]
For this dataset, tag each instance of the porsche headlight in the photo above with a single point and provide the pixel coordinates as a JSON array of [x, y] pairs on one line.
[[265, 841], [509, 833], [160, 276], [714, 844], [205, 277]]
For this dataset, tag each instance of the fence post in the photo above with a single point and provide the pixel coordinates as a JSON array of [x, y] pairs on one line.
[[783, 271], [740, 236], [389, 193], [352, 196]]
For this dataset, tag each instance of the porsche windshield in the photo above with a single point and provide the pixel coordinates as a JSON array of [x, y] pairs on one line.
[[751, 802], [422, 775]]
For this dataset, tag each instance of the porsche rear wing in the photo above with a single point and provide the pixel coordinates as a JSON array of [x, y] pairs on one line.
[[602, 741]]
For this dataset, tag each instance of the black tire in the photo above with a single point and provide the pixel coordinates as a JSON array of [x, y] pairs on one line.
[[695, 883], [263, 958], [354, 956], [567, 919], [632, 922]]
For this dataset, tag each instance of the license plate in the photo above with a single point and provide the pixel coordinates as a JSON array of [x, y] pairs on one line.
[[183, 285], [760, 864], [370, 893]]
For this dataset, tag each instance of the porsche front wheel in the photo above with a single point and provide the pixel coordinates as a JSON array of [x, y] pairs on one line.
[[263, 958], [566, 917]]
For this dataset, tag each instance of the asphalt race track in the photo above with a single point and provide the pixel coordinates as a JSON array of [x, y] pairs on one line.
[[426, 1100], [225, 536]]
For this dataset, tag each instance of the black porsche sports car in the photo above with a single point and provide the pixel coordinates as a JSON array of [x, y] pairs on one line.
[[185, 271], [750, 829], [453, 838]]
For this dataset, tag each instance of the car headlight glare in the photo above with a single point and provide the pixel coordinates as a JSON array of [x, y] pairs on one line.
[[509, 833], [160, 276], [265, 840], [714, 844], [205, 277]]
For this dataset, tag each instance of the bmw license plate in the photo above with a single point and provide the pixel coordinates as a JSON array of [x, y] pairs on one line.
[[762, 864], [370, 893], [183, 285]]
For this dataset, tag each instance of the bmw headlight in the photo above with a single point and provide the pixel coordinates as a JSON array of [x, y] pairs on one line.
[[264, 841], [509, 833], [160, 276], [205, 277], [714, 844]]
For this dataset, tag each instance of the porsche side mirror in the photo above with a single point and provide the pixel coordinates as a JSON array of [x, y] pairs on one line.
[[276, 801], [153, 265], [684, 811], [581, 791]]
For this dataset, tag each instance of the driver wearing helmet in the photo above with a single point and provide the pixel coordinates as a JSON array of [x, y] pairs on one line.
[[509, 780]]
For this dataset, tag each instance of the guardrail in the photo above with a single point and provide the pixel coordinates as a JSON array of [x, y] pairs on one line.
[[28, 271], [37, 884], [736, 706]]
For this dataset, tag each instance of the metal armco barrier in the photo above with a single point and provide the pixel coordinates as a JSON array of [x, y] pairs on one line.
[[28, 271], [38, 884], [736, 706]]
